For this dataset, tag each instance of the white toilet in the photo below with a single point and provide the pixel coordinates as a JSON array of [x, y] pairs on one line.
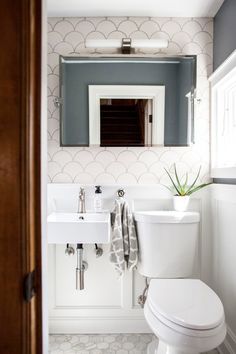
[[184, 313]]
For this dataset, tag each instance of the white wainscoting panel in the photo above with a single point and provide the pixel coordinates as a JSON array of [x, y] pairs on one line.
[[224, 266], [108, 304]]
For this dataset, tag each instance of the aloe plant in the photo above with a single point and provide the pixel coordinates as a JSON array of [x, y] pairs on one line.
[[183, 189]]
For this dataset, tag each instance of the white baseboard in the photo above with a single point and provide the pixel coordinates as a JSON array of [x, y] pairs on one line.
[[229, 345], [97, 325]]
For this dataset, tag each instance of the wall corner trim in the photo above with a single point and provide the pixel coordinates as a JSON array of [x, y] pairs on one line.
[[228, 65]]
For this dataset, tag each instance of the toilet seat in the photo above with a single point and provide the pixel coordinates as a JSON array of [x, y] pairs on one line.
[[172, 317], [201, 341], [187, 304]]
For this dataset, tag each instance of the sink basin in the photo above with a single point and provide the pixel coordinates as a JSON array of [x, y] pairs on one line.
[[78, 228]]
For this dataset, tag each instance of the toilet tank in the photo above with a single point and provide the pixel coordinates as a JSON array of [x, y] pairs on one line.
[[168, 243]]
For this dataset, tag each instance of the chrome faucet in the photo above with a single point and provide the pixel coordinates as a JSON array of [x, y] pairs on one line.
[[81, 206]]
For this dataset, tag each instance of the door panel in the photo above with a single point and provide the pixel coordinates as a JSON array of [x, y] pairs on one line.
[[20, 245]]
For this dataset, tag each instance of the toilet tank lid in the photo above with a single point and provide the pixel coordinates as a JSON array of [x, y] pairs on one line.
[[186, 302], [167, 217]]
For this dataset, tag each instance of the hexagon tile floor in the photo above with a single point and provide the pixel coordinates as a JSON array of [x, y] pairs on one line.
[[101, 344]]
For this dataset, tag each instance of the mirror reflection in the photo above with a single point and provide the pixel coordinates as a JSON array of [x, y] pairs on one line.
[[126, 122]]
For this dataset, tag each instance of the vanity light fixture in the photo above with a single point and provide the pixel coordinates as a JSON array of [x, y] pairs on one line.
[[126, 44]]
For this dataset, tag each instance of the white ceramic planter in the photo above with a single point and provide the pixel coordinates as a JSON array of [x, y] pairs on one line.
[[180, 202]]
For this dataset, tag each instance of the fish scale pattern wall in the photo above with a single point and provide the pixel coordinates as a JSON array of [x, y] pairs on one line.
[[133, 165]]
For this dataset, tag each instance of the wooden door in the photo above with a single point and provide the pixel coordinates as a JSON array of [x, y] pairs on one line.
[[20, 245]]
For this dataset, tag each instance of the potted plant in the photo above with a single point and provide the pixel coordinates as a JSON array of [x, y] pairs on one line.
[[183, 190]]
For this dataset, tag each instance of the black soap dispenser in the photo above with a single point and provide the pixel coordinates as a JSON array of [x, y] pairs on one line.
[[98, 199]]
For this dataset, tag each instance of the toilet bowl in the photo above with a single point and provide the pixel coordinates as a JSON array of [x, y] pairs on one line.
[[185, 315]]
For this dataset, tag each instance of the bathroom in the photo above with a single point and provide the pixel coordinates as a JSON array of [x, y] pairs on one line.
[[79, 320], [177, 61], [140, 172]]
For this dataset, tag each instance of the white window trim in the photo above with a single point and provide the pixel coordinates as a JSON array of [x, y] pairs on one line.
[[226, 69], [156, 93]]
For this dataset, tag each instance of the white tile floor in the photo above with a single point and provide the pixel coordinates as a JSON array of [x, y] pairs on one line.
[[101, 344]]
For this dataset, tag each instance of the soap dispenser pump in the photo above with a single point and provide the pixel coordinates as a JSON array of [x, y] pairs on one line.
[[98, 199]]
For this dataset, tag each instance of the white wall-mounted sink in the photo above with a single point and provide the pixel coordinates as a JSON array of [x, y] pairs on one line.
[[78, 228]]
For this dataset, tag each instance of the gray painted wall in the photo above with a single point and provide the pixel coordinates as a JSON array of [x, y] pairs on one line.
[[224, 32]]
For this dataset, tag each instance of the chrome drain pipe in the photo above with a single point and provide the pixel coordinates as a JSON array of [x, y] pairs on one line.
[[79, 267]]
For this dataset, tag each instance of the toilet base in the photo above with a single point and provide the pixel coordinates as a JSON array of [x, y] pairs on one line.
[[159, 347], [152, 347]]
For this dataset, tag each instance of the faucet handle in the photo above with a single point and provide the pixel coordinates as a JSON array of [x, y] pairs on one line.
[[81, 191]]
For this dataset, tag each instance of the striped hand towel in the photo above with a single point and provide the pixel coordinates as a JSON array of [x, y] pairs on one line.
[[124, 245]]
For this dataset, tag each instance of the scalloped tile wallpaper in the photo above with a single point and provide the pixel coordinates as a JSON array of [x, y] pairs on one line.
[[128, 166]]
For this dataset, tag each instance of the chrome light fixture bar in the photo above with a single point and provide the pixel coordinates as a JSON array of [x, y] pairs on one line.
[[126, 44]]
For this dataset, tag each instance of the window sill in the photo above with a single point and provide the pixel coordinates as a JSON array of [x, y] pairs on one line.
[[226, 172]]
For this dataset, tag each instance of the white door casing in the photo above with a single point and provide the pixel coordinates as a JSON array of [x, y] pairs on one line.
[[156, 93]]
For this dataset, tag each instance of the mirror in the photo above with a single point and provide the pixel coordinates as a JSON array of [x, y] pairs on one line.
[[89, 85]]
